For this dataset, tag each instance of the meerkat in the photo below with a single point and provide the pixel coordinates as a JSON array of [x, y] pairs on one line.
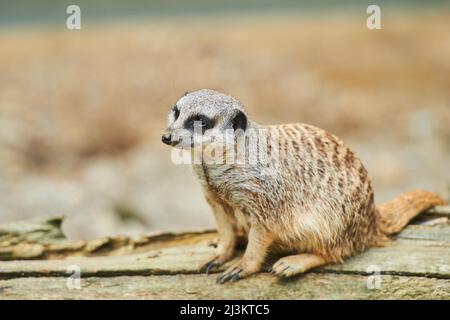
[[315, 203]]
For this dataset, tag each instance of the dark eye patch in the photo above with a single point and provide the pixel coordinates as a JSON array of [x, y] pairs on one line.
[[203, 121], [176, 112]]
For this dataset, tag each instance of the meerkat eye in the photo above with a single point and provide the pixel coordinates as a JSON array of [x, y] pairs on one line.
[[239, 121], [199, 120], [176, 112]]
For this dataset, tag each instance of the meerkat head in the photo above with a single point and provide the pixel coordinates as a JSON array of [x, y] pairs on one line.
[[201, 116]]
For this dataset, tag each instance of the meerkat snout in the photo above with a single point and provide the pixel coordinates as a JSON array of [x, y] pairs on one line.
[[167, 138]]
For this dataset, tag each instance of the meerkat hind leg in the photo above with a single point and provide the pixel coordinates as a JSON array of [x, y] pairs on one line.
[[296, 264]]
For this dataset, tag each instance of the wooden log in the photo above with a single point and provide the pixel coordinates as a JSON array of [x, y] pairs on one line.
[[164, 265], [262, 286]]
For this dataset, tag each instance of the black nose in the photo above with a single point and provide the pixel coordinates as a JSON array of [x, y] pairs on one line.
[[167, 138]]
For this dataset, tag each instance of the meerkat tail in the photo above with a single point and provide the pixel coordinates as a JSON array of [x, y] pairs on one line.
[[396, 213]]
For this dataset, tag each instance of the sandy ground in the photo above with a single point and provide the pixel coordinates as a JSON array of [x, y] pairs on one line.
[[81, 113]]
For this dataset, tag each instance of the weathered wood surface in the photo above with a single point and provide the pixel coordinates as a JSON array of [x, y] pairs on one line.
[[164, 266]]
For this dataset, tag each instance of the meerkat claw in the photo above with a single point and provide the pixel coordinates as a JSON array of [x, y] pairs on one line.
[[236, 277], [229, 275], [280, 268], [210, 266]]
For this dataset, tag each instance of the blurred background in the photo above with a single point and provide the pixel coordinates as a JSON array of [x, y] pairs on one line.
[[82, 111]]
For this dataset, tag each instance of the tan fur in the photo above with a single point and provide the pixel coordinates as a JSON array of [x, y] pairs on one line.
[[296, 264], [396, 213], [316, 203]]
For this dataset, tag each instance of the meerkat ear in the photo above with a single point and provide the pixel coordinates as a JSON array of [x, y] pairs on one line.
[[240, 121]]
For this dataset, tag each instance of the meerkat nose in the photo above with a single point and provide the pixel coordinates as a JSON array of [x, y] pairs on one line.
[[167, 138]]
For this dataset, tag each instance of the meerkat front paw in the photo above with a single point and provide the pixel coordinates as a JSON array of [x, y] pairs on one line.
[[224, 252], [236, 272], [213, 263], [217, 260]]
